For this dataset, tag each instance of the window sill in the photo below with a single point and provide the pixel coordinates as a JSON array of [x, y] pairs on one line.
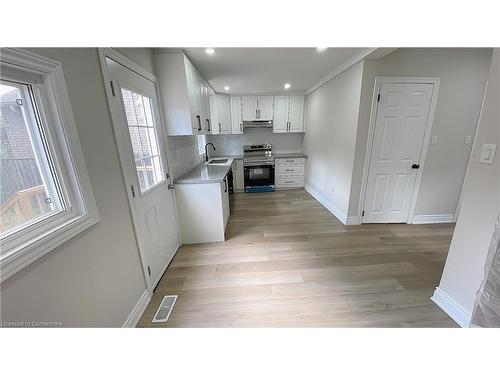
[[22, 256]]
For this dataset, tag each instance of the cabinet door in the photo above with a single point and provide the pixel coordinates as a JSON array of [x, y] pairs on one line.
[[250, 108], [238, 176], [193, 88], [281, 111], [214, 114], [225, 201], [236, 115], [205, 107], [265, 107], [223, 114], [296, 114]]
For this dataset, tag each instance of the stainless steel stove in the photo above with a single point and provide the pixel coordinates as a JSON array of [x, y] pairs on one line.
[[258, 163]]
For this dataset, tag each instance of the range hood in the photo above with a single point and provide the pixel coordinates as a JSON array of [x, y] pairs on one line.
[[258, 124]]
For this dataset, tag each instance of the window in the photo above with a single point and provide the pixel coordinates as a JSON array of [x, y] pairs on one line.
[[142, 130], [45, 193]]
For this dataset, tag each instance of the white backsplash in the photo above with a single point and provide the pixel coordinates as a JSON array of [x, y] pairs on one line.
[[232, 144]]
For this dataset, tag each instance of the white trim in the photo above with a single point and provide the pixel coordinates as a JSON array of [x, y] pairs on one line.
[[353, 220], [139, 308], [451, 307], [433, 219], [341, 68], [62, 134], [327, 204], [371, 130]]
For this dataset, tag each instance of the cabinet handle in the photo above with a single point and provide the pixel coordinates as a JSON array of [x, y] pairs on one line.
[[225, 185], [288, 170], [199, 122], [241, 127], [208, 124], [289, 182], [220, 128]]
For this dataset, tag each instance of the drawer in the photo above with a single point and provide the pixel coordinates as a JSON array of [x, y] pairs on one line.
[[290, 161], [296, 181], [293, 170]]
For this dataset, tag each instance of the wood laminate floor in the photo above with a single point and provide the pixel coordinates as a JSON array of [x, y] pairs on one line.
[[288, 262]]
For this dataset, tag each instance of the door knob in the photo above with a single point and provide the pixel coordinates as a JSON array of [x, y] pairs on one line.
[[415, 166], [171, 186]]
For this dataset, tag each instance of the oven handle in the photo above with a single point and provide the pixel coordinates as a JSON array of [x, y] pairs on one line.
[[258, 164]]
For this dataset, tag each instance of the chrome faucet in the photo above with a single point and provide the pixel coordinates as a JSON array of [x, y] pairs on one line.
[[206, 151]]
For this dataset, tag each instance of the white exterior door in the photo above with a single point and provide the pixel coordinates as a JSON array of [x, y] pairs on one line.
[[281, 111], [140, 139], [400, 125]]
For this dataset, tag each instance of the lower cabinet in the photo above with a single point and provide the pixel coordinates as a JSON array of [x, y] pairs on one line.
[[203, 211], [238, 175], [289, 173]]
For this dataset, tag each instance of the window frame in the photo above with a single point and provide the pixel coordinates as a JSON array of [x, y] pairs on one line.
[[22, 247]]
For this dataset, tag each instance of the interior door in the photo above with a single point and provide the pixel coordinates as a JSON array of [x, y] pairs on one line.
[[296, 114], [402, 114], [140, 139], [281, 111], [265, 107], [250, 108]]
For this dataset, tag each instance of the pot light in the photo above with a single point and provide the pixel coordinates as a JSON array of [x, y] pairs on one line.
[[287, 86], [226, 88], [321, 49], [210, 51]]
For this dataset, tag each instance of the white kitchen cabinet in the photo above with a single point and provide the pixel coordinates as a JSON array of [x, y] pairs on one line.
[[220, 114], [289, 114], [225, 201], [238, 175], [258, 108], [184, 95], [289, 173], [236, 115]]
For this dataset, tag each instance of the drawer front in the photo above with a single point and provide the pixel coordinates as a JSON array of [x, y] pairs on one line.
[[290, 162], [287, 170], [296, 181]]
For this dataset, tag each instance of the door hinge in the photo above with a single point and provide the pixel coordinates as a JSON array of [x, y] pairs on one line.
[[362, 213], [133, 191], [149, 271], [112, 88], [378, 98]]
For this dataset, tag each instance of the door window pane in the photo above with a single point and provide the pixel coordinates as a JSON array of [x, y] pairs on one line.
[[144, 139], [28, 189]]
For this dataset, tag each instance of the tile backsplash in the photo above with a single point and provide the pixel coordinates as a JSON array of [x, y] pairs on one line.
[[232, 144]]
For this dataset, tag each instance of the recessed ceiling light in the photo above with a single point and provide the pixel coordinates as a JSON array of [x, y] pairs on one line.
[[321, 49], [226, 88], [287, 85], [210, 51]]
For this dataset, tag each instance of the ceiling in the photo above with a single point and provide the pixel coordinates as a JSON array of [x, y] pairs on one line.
[[266, 70]]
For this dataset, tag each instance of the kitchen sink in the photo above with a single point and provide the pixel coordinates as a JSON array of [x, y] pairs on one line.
[[218, 161]]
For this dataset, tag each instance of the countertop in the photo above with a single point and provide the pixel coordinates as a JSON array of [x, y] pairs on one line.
[[291, 155], [205, 174]]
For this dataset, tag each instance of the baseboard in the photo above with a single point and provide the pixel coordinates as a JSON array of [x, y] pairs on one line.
[[450, 307], [433, 219], [353, 220], [137, 311], [327, 204]]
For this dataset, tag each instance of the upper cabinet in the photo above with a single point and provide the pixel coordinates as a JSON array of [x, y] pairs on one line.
[[257, 108], [236, 115], [185, 96], [288, 114], [220, 113]]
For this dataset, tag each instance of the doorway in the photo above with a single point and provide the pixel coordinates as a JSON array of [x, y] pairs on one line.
[[133, 102], [399, 132]]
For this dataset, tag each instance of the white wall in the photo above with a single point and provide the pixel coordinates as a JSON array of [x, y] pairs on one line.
[[331, 124], [232, 144], [96, 278], [463, 271], [183, 153], [463, 73]]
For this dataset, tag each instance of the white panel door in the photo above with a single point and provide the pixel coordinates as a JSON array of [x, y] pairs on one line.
[[250, 108], [400, 125], [281, 111], [296, 114], [236, 115], [265, 107], [141, 145]]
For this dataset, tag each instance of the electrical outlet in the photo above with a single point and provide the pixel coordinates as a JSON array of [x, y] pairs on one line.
[[488, 154], [434, 140], [468, 140]]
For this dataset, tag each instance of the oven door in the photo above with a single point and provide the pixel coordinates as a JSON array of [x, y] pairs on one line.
[[259, 178]]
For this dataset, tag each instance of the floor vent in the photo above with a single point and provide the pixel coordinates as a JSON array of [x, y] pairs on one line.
[[166, 306]]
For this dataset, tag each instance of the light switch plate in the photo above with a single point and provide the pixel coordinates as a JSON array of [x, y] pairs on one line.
[[488, 154], [434, 140]]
